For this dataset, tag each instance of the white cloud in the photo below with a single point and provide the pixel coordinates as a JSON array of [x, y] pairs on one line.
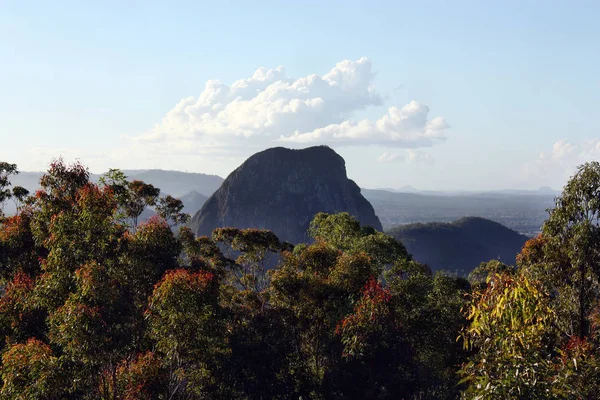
[[269, 108], [386, 157], [410, 156], [225, 123], [556, 166], [419, 157], [406, 127]]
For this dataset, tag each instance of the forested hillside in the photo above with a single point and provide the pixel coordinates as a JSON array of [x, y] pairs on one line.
[[460, 246], [97, 305]]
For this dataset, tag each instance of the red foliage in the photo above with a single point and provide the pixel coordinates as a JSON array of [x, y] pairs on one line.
[[138, 377], [372, 308], [16, 295], [200, 279], [91, 196], [373, 291]]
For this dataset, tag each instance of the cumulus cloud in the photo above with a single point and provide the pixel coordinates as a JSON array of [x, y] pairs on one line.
[[270, 108], [556, 166], [406, 127]]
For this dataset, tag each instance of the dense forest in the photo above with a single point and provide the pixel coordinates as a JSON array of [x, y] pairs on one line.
[[97, 305]]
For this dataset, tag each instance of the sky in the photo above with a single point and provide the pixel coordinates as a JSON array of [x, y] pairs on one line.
[[440, 95]]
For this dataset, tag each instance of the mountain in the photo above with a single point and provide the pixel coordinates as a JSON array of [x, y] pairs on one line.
[[193, 201], [523, 213], [175, 183], [282, 189], [461, 245]]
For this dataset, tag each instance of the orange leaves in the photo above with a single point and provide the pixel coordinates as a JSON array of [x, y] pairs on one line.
[[92, 198], [16, 301], [17, 290], [28, 371], [138, 379], [532, 251], [193, 281]]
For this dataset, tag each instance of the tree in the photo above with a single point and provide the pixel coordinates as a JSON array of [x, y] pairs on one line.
[[510, 328], [29, 371], [429, 307], [186, 324], [345, 233], [6, 170], [19, 196], [378, 359], [170, 209], [141, 195], [572, 244], [253, 252]]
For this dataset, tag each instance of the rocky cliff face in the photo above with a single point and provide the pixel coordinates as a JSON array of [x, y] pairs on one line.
[[282, 190]]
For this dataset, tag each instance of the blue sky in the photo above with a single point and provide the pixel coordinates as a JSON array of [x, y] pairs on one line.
[[505, 94]]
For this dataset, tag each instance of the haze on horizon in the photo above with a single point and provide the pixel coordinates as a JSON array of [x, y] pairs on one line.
[[460, 96]]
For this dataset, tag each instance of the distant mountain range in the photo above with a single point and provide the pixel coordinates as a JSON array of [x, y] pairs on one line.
[[543, 191], [521, 210], [461, 245], [282, 189], [192, 188], [524, 213]]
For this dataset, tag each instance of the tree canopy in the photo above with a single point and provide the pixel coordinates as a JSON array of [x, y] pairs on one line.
[[96, 303]]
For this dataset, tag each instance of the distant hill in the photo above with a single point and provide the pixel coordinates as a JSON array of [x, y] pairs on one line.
[[544, 190], [192, 188], [524, 213], [193, 201], [282, 189], [461, 245], [175, 183]]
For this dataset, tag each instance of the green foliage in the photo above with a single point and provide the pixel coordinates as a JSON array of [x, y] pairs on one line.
[[510, 326], [431, 303], [169, 208], [572, 235], [186, 324], [94, 305], [29, 372], [534, 331], [345, 233]]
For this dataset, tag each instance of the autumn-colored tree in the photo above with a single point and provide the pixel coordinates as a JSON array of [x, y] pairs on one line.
[[29, 371], [378, 360], [141, 378], [317, 285], [186, 325]]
